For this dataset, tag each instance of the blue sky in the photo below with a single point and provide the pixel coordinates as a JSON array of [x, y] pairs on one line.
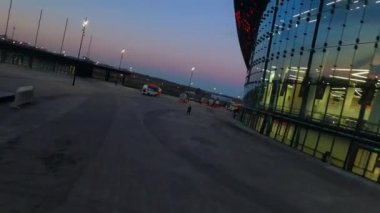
[[163, 38]]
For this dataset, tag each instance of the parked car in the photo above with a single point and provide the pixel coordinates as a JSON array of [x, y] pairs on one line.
[[151, 90]]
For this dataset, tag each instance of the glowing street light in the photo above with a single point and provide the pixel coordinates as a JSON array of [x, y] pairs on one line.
[[121, 57], [191, 76], [84, 25]]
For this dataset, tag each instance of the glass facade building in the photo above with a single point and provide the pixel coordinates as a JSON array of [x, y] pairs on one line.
[[312, 77]]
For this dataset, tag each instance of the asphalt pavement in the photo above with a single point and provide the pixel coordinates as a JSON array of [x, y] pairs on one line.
[[98, 147]]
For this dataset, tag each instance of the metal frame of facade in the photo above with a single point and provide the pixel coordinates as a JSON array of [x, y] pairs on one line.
[[269, 81]]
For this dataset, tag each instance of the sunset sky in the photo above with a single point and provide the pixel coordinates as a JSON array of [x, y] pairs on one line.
[[163, 38]]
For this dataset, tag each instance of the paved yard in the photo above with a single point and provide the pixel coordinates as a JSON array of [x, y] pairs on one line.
[[97, 147]]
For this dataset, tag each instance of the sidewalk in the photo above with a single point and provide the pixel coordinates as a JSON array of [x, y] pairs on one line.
[[53, 97], [344, 174]]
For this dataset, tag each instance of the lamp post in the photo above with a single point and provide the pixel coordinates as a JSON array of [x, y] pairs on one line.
[[84, 25], [9, 14], [64, 35], [13, 32], [38, 29], [121, 57], [191, 76], [89, 48]]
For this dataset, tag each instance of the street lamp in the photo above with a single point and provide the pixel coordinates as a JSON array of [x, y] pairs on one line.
[[38, 29], [9, 14], [191, 76], [121, 57], [84, 25], [64, 35], [13, 32]]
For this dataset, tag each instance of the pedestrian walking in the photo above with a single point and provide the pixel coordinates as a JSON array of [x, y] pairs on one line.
[[189, 109]]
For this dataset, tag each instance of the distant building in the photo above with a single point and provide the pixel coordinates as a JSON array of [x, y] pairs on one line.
[[312, 77]]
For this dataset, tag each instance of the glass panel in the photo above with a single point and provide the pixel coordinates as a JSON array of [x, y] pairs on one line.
[[275, 125], [352, 23], [360, 162], [371, 19], [289, 134], [324, 144], [310, 142], [351, 108], [315, 69], [335, 104], [324, 29], [373, 168], [281, 131], [372, 115], [297, 100], [259, 123], [339, 151], [301, 138], [336, 26], [281, 97]]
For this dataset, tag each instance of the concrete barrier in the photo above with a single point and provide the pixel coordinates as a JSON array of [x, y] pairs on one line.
[[23, 96], [6, 96]]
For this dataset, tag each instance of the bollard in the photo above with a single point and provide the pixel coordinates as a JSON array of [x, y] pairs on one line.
[[24, 95]]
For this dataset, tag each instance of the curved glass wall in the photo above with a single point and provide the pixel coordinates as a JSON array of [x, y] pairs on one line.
[[329, 75], [312, 80]]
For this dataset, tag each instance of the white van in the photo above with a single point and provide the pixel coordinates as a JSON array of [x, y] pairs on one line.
[[151, 90]]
